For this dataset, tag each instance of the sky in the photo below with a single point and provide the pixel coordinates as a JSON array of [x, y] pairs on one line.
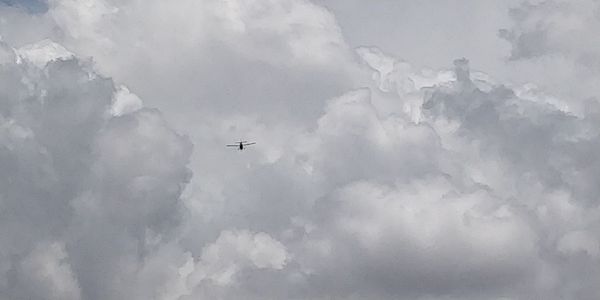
[[409, 149]]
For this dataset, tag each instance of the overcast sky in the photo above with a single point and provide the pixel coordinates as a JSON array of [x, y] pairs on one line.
[[408, 149]]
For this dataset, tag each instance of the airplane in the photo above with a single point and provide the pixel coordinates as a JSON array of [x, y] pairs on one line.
[[241, 144]]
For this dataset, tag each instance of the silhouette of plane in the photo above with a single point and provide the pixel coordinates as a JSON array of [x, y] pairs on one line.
[[241, 144]]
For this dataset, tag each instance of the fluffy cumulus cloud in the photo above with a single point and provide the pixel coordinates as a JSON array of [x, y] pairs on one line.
[[371, 179], [80, 195], [477, 198]]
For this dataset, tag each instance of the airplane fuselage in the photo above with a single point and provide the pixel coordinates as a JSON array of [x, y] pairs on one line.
[[241, 145]]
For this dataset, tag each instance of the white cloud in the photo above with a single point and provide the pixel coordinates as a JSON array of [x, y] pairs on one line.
[[407, 239], [44, 52], [48, 273], [371, 178], [91, 183], [234, 251], [125, 102]]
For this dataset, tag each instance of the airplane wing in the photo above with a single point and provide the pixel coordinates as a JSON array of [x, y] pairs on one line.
[[232, 145], [248, 144]]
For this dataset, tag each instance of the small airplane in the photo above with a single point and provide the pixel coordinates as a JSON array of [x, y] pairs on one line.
[[241, 144]]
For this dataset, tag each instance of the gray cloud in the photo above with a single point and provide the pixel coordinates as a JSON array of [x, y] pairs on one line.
[[372, 178], [558, 36], [32, 6], [81, 189]]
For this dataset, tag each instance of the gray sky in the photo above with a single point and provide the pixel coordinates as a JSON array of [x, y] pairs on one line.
[[386, 165], [427, 33]]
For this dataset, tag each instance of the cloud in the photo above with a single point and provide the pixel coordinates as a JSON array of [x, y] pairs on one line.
[[21, 27], [125, 102], [81, 188], [421, 238], [45, 272], [547, 27], [427, 190], [294, 49], [236, 250], [559, 36], [517, 155], [371, 178], [43, 52], [31, 6]]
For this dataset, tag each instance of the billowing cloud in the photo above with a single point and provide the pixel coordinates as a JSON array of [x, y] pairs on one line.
[[81, 188], [371, 178], [294, 49]]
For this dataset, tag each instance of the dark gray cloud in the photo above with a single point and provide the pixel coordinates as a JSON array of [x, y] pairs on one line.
[[32, 6]]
